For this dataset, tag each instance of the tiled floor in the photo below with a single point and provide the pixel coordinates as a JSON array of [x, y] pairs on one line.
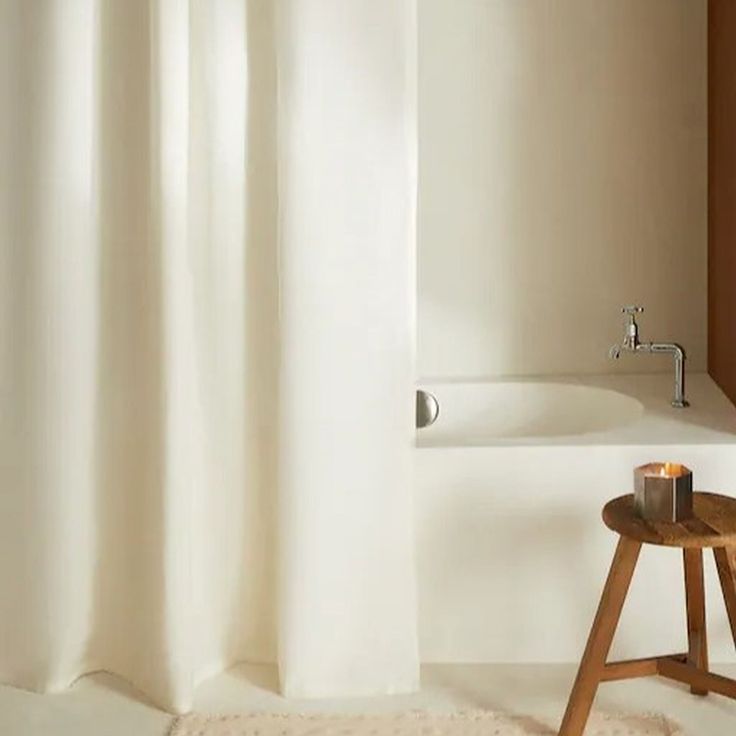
[[102, 705]]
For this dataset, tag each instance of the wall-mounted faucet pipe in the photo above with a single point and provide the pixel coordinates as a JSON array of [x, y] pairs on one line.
[[631, 344]]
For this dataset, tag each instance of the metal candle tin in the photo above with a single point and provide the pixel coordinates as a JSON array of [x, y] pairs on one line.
[[663, 492]]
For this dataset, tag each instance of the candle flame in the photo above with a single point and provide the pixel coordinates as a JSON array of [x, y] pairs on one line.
[[670, 470]]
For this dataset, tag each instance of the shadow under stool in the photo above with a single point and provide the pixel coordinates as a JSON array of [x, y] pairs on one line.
[[713, 526]]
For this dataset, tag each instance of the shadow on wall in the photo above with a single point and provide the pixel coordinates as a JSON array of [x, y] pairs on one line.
[[562, 174]]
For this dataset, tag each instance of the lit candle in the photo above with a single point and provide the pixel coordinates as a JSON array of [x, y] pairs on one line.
[[663, 492]]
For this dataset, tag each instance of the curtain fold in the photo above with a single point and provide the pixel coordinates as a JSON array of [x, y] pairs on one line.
[[347, 202], [206, 342]]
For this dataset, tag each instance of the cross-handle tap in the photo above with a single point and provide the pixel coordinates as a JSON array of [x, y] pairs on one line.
[[631, 328]]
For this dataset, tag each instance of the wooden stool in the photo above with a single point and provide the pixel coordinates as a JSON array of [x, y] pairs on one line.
[[713, 525]]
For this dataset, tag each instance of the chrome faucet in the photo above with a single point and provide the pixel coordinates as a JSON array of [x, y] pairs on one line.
[[631, 344]]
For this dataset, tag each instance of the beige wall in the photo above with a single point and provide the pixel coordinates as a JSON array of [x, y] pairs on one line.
[[562, 174]]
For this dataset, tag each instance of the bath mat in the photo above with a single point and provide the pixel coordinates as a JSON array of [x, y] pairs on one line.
[[481, 723]]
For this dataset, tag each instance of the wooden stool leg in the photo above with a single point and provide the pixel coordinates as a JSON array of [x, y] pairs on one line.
[[726, 564], [601, 638], [696, 624]]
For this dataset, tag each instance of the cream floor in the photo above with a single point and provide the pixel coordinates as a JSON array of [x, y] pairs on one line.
[[101, 705]]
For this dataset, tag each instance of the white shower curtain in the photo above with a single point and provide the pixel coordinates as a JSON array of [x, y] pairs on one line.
[[206, 317]]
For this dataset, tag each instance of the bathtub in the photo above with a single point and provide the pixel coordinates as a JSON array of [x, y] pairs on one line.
[[480, 414], [511, 550]]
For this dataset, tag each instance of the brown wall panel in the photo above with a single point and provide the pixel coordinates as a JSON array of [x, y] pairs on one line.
[[722, 194]]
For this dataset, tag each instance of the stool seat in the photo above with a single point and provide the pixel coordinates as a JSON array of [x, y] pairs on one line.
[[713, 523]]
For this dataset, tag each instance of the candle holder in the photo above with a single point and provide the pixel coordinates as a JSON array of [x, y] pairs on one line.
[[663, 492]]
